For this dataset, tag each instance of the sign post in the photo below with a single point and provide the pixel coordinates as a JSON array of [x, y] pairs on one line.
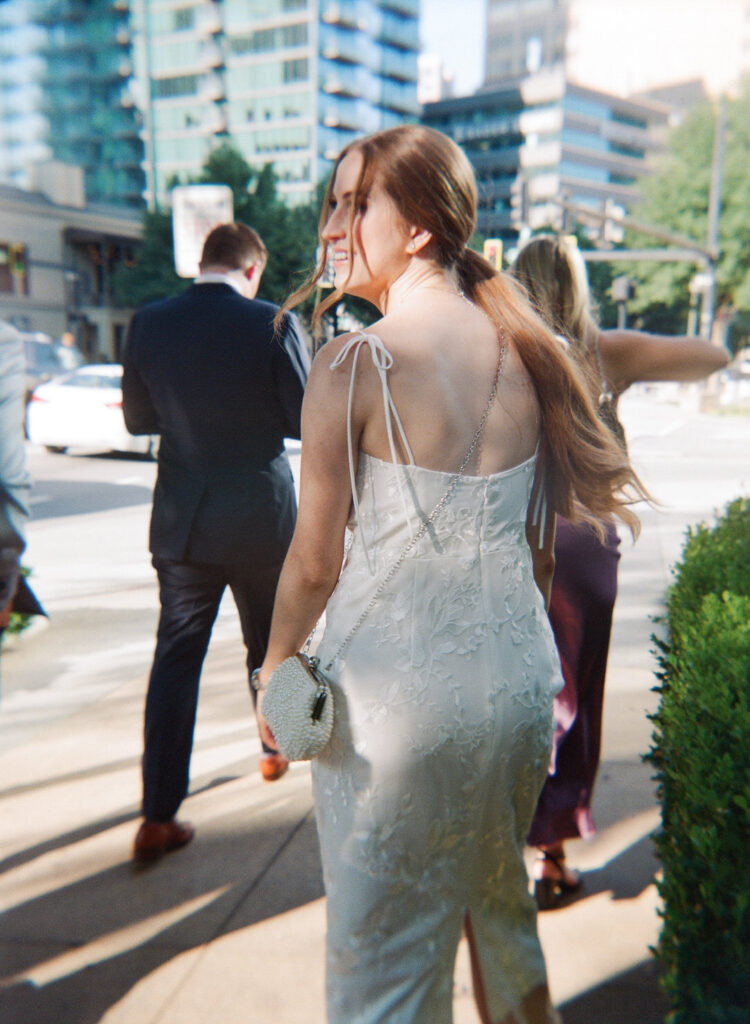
[[196, 210]]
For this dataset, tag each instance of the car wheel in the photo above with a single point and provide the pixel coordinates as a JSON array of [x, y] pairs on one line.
[[56, 449]]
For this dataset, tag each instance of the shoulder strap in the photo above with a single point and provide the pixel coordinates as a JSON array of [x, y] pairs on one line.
[[382, 361]]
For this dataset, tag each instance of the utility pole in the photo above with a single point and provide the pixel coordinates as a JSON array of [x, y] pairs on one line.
[[714, 214]]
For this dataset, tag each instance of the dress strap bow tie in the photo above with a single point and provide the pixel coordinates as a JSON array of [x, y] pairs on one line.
[[382, 361]]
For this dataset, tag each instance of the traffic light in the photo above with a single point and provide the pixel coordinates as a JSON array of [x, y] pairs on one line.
[[493, 252]]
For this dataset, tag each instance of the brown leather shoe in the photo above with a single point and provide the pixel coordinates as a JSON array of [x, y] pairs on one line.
[[155, 838], [273, 766]]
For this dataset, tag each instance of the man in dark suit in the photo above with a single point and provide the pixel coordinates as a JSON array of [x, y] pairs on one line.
[[207, 372]]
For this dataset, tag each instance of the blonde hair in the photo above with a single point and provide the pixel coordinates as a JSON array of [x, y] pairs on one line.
[[431, 183], [552, 270]]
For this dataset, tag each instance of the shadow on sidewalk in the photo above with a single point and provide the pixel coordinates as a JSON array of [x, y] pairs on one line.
[[97, 938], [629, 997]]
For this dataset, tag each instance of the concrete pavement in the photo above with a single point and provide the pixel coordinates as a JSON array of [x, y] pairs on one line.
[[231, 928]]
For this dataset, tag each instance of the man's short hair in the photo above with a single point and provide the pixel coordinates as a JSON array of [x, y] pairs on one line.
[[233, 245]]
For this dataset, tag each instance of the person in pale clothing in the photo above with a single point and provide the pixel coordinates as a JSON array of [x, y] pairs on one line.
[[14, 479]]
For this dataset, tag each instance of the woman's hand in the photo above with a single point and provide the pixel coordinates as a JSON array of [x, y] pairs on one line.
[[265, 733]]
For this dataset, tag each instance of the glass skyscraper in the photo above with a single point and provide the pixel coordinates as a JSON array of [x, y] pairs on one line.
[[138, 92], [85, 97], [22, 127], [289, 82]]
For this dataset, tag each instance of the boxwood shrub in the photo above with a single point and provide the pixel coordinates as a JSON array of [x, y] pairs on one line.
[[701, 753]]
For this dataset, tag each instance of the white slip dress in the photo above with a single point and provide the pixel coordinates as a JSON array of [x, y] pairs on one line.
[[441, 742]]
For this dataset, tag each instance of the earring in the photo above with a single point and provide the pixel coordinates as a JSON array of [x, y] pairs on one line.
[[410, 247]]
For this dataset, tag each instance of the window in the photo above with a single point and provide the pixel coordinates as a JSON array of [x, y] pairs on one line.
[[181, 85], [14, 275], [184, 17], [295, 70], [294, 35], [270, 39]]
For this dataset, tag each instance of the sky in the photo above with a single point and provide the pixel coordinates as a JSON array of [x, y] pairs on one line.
[[455, 30]]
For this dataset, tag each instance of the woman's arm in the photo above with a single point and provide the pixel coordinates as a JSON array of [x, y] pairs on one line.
[[542, 547], [315, 555], [632, 356]]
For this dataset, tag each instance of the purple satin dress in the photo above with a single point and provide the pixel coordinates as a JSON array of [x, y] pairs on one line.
[[583, 597]]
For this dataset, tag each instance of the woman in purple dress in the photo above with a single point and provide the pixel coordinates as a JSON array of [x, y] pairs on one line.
[[585, 581]]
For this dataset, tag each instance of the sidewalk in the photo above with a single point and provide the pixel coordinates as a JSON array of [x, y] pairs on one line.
[[231, 929]]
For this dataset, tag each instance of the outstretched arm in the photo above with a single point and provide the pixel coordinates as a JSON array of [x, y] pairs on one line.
[[632, 356]]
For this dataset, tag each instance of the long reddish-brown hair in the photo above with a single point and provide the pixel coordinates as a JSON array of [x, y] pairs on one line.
[[430, 181]]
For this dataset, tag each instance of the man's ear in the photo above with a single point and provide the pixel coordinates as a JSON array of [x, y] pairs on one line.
[[418, 239]]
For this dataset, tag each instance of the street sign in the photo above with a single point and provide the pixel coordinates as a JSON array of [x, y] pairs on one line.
[[196, 210]]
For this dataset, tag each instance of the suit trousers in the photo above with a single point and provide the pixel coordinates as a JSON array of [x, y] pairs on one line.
[[190, 594]]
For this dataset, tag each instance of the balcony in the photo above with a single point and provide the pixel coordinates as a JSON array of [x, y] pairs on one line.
[[345, 45], [410, 8], [400, 96], [211, 55]]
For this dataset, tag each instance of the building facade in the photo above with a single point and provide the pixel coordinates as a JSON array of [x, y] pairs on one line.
[[138, 92], [539, 139], [621, 48], [288, 82], [23, 129], [57, 263], [524, 36], [85, 96]]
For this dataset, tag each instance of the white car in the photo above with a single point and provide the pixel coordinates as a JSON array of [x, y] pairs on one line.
[[83, 409]]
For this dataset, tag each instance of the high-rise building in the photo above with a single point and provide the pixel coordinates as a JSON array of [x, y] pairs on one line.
[[22, 127], [435, 82], [621, 47], [524, 36], [289, 82], [85, 97], [139, 91], [537, 140]]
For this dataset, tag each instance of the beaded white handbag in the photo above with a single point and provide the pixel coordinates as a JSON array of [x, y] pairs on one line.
[[298, 706], [297, 700]]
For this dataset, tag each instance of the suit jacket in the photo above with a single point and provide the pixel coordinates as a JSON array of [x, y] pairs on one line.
[[14, 480], [206, 372]]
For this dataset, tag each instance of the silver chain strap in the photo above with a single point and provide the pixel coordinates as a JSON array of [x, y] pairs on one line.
[[475, 446]]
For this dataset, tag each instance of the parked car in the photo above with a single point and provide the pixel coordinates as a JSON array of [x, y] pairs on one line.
[[83, 409], [42, 360]]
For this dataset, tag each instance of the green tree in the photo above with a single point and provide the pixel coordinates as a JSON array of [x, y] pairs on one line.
[[676, 197], [290, 234], [152, 276]]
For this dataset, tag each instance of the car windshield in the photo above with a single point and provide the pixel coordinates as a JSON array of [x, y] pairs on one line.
[[87, 379]]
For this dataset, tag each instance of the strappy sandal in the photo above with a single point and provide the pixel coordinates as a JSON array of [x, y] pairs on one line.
[[549, 892]]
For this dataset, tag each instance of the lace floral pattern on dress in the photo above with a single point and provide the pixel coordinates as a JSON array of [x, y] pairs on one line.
[[441, 743]]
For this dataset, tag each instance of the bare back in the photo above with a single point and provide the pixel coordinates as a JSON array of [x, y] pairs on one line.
[[444, 363]]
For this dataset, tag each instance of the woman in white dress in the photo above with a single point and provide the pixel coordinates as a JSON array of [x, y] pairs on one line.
[[425, 435]]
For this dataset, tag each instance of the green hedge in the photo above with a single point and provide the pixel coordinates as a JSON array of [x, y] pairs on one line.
[[701, 752]]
